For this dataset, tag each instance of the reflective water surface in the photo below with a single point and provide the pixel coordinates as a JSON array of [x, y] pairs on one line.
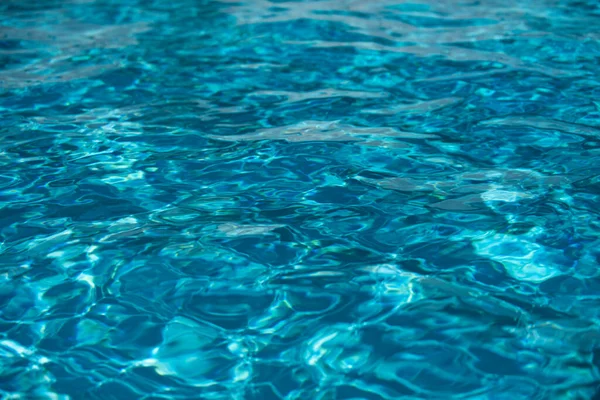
[[339, 199]]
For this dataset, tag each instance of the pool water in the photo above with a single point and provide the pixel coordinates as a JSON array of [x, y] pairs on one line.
[[338, 199]]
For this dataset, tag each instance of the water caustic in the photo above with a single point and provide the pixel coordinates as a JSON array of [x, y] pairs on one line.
[[319, 200]]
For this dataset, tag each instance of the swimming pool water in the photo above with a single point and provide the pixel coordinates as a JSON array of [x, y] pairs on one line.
[[338, 199]]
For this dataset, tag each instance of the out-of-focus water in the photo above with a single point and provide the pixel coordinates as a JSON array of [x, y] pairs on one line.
[[250, 199]]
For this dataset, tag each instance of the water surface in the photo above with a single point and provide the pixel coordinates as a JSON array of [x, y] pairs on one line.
[[332, 199]]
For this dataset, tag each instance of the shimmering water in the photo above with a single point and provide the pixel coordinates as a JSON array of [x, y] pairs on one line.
[[340, 199]]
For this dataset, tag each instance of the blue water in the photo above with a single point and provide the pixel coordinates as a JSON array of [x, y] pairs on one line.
[[339, 199]]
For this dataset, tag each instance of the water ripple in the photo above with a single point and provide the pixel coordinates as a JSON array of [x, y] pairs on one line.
[[275, 199]]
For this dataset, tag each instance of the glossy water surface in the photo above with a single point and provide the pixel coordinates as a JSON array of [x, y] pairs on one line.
[[339, 199]]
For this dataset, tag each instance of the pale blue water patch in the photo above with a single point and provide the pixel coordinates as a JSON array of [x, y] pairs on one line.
[[338, 199]]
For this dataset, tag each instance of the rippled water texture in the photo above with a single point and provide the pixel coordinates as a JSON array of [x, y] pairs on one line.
[[339, 199]]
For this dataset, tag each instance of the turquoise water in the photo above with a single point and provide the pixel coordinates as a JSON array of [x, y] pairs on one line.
[[315, 200]]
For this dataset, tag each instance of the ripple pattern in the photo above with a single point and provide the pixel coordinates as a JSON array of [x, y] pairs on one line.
[[278, 199]]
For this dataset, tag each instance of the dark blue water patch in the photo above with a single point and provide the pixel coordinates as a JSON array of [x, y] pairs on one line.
[[114, 391], [494, 363], [66, 381]]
